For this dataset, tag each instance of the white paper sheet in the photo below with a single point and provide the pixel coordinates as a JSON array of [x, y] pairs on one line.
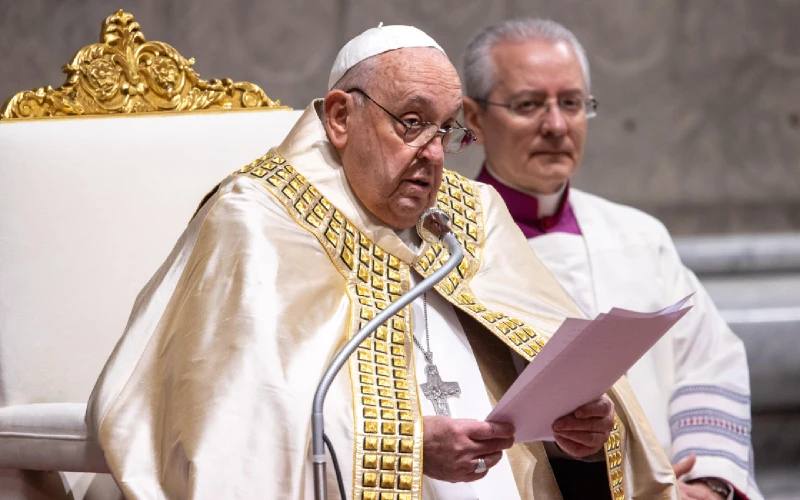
[[581, 362]]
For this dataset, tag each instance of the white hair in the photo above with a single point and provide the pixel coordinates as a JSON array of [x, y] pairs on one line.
[[361, 74], [479, 70]]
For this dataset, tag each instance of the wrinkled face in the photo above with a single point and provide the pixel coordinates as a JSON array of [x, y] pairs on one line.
[[394, 181], [534, 153]]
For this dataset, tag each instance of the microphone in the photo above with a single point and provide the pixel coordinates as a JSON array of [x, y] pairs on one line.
[[434, 227]]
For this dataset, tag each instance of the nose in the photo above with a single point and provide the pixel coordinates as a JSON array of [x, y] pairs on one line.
[[433, 151], [554, 122]]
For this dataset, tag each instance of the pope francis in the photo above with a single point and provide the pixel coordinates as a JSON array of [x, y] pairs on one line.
[[208, 393]]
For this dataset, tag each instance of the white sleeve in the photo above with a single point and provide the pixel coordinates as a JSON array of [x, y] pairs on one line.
[[709, 410]]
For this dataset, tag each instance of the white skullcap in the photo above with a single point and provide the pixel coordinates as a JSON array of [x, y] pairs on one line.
[[376, 41]]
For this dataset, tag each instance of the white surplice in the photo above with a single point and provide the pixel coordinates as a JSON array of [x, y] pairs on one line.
[[694, 383], [453, 356]]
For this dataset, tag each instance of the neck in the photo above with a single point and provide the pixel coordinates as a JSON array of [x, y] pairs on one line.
[[410, 238]]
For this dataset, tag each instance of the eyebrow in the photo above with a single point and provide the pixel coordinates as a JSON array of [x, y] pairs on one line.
[[418, 100], [459, 109], [573, 90]]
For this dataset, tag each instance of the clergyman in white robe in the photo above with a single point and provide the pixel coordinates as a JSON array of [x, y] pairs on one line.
[[693, 385]]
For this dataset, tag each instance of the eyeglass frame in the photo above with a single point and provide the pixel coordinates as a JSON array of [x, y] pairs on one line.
[[439, 130], [588, 102]]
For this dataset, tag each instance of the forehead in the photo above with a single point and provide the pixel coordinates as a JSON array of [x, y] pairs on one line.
[[536, 65], [419, 77]]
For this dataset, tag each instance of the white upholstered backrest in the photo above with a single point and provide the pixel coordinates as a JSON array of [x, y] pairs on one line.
[[89, 209]]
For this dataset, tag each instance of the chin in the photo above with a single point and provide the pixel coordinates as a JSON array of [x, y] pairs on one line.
[[551, 174], [405, 220], [406, 225], [400, 221], [553, 168], [408, 213]]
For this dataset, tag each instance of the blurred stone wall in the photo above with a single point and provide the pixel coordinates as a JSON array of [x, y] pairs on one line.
[[700, 101]]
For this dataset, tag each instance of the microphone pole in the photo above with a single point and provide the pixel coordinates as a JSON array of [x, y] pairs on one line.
[[433, 227]]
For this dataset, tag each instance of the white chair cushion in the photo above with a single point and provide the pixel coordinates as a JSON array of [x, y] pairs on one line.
[[48, 436]]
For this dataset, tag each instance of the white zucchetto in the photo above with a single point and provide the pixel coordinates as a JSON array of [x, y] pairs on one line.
[[376, 41]]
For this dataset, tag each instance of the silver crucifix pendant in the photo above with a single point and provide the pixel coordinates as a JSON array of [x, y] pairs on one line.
[[437, 391]]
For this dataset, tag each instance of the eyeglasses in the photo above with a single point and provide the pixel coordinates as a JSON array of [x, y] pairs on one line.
[[531, 107], [455, 139]]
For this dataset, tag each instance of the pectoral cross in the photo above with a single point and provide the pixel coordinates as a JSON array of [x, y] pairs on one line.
[[437, 391]]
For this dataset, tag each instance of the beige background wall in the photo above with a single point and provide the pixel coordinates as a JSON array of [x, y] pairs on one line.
[[700, 100]]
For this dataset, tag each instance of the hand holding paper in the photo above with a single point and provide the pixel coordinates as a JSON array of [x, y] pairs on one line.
[[581, 362], [584, 431]]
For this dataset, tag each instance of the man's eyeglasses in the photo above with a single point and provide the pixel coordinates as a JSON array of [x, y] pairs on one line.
[[455, 139], [529, 107]]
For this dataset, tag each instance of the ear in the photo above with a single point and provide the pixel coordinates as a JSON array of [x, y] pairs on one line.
[[337, 106], [473, 117]]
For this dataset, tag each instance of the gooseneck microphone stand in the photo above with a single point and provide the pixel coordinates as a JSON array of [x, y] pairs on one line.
[[433, 227]]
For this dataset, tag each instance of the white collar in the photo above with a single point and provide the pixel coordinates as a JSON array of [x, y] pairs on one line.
[[410, 238], [547, 203]]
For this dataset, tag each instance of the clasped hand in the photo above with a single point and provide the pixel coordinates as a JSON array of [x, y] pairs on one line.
[[583, 432], [692, 490], [453, 446]]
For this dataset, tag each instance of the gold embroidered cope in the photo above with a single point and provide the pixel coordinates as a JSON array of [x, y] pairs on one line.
[[388, 425]]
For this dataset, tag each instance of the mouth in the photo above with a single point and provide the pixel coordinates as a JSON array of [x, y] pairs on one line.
[[551, 153], [419, 182], [417, 187]]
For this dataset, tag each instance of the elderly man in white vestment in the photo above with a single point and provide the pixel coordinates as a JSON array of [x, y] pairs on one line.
[[529, 100], [208, 393]]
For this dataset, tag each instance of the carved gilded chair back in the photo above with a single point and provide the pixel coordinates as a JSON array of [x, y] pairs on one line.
[[88, 211], [124, 73]]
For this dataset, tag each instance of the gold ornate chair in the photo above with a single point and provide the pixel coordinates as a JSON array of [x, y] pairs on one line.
[[100, 176]]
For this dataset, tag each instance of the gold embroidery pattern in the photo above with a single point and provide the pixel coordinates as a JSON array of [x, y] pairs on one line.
[[457, 197], [613, 452], [124, 73], [388, 428]]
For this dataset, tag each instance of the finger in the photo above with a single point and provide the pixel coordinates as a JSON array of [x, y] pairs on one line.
[[446, 440], [480, 431], [598, 408], [591, 439], [491, 460], [450, 454], [701, 492], [684, 466], [576, 449], [685, 492], [595, 424], [493, 445], [696, 492]]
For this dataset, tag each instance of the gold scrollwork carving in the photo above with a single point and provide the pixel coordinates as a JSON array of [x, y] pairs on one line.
[[124, 73]]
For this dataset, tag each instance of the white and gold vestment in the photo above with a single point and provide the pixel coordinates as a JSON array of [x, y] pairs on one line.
[[208, 394]]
